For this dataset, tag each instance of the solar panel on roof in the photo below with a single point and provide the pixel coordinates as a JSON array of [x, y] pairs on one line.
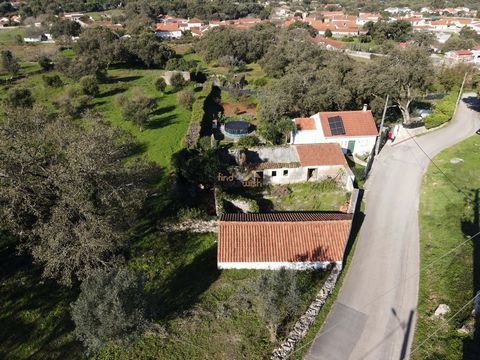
[[336, 125]]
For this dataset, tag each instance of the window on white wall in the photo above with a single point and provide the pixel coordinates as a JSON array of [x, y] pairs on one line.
[[285, 172], [274, 173]]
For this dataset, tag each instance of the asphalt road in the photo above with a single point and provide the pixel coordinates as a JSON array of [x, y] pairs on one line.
[[374, 315]]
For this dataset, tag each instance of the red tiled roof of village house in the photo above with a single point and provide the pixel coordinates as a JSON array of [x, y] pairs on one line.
[[356, 123], [249, 20], [194, 20], [320, 154], [283, 237], [167, 27], [463, 52], [337, 44], [305, 124]]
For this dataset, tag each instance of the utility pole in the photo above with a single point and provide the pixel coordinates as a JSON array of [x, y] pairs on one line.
[[379, 138], [460, 94]]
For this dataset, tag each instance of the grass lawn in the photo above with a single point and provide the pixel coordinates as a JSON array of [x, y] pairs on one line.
[[207, 313], [310, 196], [168, 122], [447, 218], [34, 314]]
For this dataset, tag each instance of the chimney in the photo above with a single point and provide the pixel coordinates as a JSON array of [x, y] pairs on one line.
[[365, 106]]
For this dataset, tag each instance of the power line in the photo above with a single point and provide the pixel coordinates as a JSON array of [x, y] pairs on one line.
[[387, 292], [435, 164], [444, 324], [421, 269]]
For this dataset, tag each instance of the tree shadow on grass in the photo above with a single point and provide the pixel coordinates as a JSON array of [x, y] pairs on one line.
[[123, 79], [188, 282], [161, 122], [35, 313], [471, 345], [163, 110], [112, 92]]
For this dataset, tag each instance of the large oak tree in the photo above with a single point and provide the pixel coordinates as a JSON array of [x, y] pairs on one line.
[[66, 192]]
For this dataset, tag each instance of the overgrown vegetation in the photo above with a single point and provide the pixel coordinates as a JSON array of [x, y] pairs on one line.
[[443, 110], [448, 218]]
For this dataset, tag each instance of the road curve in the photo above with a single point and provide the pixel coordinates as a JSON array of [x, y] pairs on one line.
[[374, 315]]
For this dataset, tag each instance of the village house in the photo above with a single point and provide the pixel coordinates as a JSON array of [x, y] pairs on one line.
[[272, 241], [363, 18], [355, 131], [168, 31], [294, 164], [459, 57]]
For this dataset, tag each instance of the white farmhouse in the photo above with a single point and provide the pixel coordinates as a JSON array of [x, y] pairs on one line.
[[168, 31], [355, 131], [293, 164]]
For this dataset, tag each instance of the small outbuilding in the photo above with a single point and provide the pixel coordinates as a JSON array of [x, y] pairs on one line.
[[271, 241]]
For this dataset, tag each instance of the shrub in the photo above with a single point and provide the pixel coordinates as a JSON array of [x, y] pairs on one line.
[[45, 63], [137, 107], [260, 82], [205, 143], [198, 114], [328, 33], [177, 81], [89, 85], [160, 84], [186, 214], [72, 102], [444, 110], [185, 98], [280, 298], [19, 97], [52, 80], [248, 141], [112, 307]]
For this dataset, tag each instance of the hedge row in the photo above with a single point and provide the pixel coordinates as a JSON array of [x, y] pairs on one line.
[[443, 111], [198, 114]]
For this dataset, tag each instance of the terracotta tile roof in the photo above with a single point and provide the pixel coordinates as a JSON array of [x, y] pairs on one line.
[[305, 123], [337, 44], [167, 27], [463, 52], [321, 154], [356, 123], [283, 237]]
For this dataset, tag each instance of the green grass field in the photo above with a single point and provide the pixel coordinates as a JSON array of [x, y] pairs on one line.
[[308, 197], [168, 123], [447, 218], [204, 313]]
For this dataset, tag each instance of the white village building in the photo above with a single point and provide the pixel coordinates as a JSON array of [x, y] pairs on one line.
[[355, 131], [293, 164]]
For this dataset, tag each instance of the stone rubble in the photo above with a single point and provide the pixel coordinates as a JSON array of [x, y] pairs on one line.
[[441, 310], [306, 320], [196, 226]]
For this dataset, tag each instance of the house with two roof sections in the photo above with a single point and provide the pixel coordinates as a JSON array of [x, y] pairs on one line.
[[272, 241], [355, 131], [293, 164]]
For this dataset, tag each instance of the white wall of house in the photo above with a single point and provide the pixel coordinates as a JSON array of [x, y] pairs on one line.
[[282, 176], [169, 34], [300, 265], [363, 144]]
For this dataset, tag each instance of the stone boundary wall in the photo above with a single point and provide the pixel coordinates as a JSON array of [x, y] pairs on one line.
[[286, 348], [301, 327]]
